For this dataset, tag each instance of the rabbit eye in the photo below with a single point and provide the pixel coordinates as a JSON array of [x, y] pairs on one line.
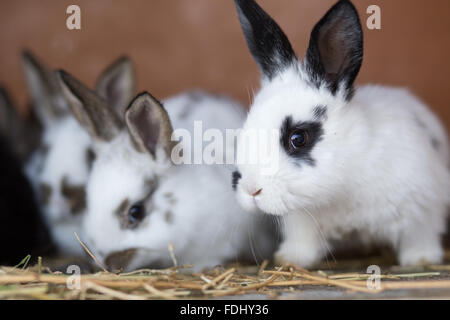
[[298, 139], [135, 215]]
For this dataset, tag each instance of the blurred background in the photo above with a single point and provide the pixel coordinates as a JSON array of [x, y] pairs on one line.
[[184, 44]]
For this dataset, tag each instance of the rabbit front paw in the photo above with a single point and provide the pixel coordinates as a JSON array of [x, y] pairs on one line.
[[294, 253], [421, 256]]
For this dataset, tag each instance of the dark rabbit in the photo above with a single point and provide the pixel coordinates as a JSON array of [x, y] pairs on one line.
[[22, 229], [24, 130]]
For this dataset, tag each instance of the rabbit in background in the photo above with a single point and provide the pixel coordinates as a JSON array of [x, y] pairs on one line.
[[21, 131], [369, 159], [23, 231], [139, 202], [60, 167]]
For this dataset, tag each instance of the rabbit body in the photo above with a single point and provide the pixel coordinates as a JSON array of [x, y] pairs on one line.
[[59, 168], [191, 207], [382, 170], [372, 160]]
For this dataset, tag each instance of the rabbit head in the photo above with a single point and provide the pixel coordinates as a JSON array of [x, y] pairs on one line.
[[60, 168], [305, 103], [132, 155]]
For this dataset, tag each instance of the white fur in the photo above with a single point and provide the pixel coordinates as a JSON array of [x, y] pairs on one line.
[[208, 226], [376, 171], [65, 158]]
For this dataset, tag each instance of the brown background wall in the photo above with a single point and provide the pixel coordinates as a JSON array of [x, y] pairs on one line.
[[182, 44]]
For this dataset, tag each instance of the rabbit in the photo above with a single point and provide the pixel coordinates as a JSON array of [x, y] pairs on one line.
[[60, 168], [21, 131], [140, 199], [23, 231], [371, 159]]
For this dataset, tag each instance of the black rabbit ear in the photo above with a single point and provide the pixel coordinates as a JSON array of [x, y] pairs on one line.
[[267, 42], [335, 49]]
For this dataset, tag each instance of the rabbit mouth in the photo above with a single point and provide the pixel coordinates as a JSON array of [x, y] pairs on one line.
[[269, 206], [260, 205], [247, 202]]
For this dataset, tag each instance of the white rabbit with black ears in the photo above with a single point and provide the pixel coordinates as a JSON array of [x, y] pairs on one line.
[[139, 201], [371, 159], [59, 168]]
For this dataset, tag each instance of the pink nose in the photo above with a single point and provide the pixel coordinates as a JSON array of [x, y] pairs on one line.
[[257, 193]]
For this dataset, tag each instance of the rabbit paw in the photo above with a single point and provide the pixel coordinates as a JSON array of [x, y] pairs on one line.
[[293, 253], [421, 256]]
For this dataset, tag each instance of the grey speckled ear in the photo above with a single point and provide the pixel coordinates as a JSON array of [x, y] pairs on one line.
[[149, 125], [91, 111], [45, 91], [117, 84]]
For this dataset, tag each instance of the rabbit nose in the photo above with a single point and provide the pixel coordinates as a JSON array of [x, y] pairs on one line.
[[258, 192]]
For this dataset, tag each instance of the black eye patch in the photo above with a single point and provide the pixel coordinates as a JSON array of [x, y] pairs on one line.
[[310, 133]]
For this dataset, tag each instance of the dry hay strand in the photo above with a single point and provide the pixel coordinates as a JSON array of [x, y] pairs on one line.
[[179, 283]]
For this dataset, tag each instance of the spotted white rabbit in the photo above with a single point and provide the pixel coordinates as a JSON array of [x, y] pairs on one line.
[[369, 159], [60, 168], [139, 201]]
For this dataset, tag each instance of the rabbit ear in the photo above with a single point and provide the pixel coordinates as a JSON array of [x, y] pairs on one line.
[[267, 42], [9, 118], [44, 88], [335, 49], [91, 111], [117, 84], [11, 123], [149, 125], [23, 133]]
